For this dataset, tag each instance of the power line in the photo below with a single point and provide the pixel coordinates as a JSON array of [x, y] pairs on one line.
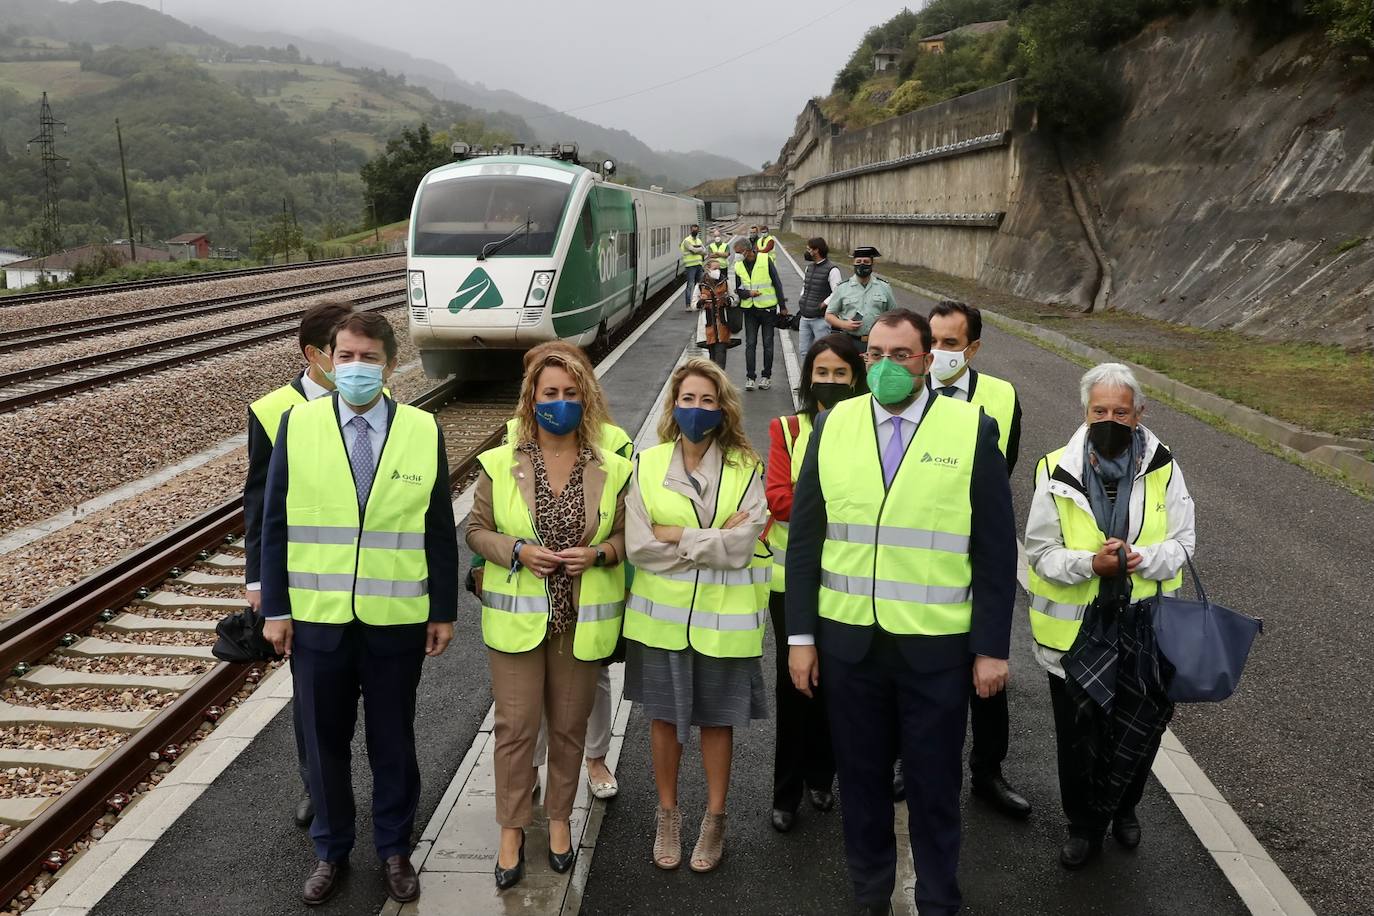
[[677, 79]]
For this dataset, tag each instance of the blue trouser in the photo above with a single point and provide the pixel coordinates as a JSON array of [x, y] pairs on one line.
[[298, 726], [754, 320], [693, 278], [810, 330], [879, 707], [328, 684]]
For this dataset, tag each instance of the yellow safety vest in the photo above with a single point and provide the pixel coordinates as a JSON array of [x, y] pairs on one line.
[[763, 242], [614, 440], [777, 532], [515, 607], [338, 569], [998, 400], [759, 279], [898, 556], [1056, 611], [717, 612], [269, 408], [689, 258], [720, 252]]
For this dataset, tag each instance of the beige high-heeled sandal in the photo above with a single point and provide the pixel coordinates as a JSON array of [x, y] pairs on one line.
[[710, 848], [668, 839]]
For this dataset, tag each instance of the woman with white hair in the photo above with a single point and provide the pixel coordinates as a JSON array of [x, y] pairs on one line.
[[1114, 485]]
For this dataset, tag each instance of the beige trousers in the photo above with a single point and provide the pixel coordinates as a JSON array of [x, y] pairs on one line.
[[547, 682]]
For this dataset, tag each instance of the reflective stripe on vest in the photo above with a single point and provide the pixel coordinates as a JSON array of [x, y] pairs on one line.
[[760, 279], [1056, 611], [689, 258], [338, 569], [998, 400], [898, 557], [269, 408], [717, 612], [516, 609], [777, 532]]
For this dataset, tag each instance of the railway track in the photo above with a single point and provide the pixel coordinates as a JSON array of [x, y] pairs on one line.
[[161, 602], [134, 285], [76, 329], [37, 384]]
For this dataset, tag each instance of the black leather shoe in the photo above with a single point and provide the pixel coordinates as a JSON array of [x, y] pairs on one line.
[[562, 861], [1078, 851], [402, 884], [305, 811], [1002, 796], [874, 909], [821, 799], [509, 877], [322, 882], [898, 782], [783, 821], [1126, 830]]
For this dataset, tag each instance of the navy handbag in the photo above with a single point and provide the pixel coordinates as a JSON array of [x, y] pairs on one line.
[[1204, 645]]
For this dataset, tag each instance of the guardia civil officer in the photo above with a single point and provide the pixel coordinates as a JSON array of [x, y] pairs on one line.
[[958, 330], [264, 416], [901, 564], [693, 253], [359, 585], [857, 302], [761, 297]]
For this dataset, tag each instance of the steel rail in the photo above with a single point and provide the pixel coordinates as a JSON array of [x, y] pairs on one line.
[[45, 334], [101, 289]]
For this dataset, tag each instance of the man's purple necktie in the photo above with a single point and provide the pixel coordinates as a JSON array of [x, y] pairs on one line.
[[892, 455]]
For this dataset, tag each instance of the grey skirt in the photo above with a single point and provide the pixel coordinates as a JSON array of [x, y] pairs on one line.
[[688, 688]]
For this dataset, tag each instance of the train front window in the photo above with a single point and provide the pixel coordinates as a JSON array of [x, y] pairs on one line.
[[461, 216]]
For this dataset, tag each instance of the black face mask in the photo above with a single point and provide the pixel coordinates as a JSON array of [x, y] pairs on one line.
[[806, 255], [828, 394], [1110, 438], [863, 270]]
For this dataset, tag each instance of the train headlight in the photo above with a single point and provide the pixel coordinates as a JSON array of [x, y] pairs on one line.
[[540, 285], [419, 305]]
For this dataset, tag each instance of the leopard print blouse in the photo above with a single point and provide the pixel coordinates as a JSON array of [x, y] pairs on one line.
[[559, 521]]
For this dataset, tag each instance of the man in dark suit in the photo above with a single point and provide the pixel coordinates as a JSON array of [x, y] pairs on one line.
[[359, 585], [264, 416], [901, 571], [958, 336]]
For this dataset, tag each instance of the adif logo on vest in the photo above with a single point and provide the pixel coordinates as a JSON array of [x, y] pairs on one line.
[[407, 478], [477, 292], [943, 461]]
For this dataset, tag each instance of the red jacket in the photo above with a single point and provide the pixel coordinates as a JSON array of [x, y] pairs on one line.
[[777, 485]]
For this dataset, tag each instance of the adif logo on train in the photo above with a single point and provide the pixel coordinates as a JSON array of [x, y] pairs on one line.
[[477, 292]]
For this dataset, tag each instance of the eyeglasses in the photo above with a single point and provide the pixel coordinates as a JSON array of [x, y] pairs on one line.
[[897, 356]]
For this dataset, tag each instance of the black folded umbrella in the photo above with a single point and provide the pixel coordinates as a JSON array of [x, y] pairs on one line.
[[240, 639]]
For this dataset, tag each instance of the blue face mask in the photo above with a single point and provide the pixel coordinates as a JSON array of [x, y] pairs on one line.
[[559, 417], [358, 383], [696, 422]]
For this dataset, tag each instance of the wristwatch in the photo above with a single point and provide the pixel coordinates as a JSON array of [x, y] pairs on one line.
[[515, 553], [600, 556]]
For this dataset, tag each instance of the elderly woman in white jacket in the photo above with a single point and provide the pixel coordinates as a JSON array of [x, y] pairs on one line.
[[1114, 485]]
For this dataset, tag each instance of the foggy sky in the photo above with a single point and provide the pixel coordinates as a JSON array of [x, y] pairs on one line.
[[565, 56]]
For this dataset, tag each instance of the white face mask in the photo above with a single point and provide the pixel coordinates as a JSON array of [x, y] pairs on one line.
[[713, 273], [946, 364]]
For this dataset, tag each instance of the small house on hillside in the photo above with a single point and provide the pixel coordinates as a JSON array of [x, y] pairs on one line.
[[189, 245], [935, 44], [884, 58], [59, 267]]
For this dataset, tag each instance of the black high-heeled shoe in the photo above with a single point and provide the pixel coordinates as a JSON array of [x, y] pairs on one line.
[[507, 878], [562, 861]]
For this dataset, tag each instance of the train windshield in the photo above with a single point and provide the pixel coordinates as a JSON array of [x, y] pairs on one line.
[[463, 215]]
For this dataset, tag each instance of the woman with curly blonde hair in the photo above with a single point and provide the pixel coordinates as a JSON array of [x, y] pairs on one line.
[[548, 517], [695, 618]]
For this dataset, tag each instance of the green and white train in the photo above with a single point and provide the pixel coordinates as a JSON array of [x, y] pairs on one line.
[[510, 250]]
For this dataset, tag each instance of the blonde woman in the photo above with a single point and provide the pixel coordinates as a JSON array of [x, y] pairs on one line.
[[549, 520], [695, 619]]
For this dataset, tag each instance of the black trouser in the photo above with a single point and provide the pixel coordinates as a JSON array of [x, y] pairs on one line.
[[879, 707], [718, 352], [802, 754], [754, 320], [1074, 786], [991, 735], [298, 724]]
